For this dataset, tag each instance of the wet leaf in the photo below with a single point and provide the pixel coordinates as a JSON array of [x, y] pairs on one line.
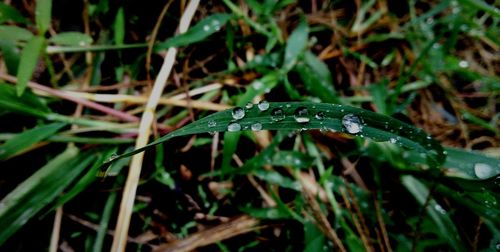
[[71, 39]]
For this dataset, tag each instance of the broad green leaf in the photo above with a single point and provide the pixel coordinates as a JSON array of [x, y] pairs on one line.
[[43, 13], [296, 45], [437, 213], [9, 13], [71, 39], [14, 33], [198, 32], [314, 240], [11, 55], [25, 140], [119, 27], [29, 59], [41, 188], [27, 103], [306, 116], [317, 78]]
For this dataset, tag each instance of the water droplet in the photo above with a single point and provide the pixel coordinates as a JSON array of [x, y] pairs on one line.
[[320, 115], [256, 126], [257, 84], [112, 157], [238, 113], [440, 209], [352, 123], [497, 246], [263, 105], [212, 123], [393, 140], [249, 105], [232, 127], [206, 28], [463, 64], [288, 105], [483, 171], [277, 114], [301, 115]]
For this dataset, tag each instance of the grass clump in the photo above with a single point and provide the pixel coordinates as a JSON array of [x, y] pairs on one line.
[[282, 125]]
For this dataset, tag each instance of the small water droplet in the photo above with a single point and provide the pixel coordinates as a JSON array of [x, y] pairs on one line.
[[320, 115], [233, 127], [440, 209], [301, 115], [463, 64], [263, 105], [393, 140], [249, 105], [352, 123], [238, 113], [256, 126], [497, 246], [483, 171], [212, 123], [277, 114], [112, 157], [257, 84], [288, 105], [206, 28]]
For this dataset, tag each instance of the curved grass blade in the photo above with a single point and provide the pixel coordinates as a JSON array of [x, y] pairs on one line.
[[27, 64], [307, 116], [199, 32]]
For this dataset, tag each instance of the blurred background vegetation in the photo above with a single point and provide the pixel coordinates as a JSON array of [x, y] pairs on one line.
[[75, 77]]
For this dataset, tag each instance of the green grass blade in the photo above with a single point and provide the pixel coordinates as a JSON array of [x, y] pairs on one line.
[[11, 55], [28, 103], [14, 33], [43, 13], [27, 139], [71, 39], [284, 116], [40, 189], [29, 59], [9, 13], [199, 32], [296, 44], [440, 217], [317, 78]]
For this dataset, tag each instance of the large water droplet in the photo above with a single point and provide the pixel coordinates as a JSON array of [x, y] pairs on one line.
[[301, 115], [256, 126], [277, 114], [234, 126], [257, 84], [238, 113], [320, 115], [352, 123], [206, 28], [263, 105], [212, 123], [483, 171]]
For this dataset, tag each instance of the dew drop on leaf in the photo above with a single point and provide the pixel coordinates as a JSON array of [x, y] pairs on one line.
[[320, 115], [483, 171], [249, 105], [256, 126], [238, 113], [301, 115], [277, 114], [352, 123], [233, 127], [263, 105], [212, 123]]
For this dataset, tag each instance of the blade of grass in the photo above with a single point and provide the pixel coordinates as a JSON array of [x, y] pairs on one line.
[[27, 139], [40, 189], [43, 13], [27, 64], [319, 116], [127, 202]]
